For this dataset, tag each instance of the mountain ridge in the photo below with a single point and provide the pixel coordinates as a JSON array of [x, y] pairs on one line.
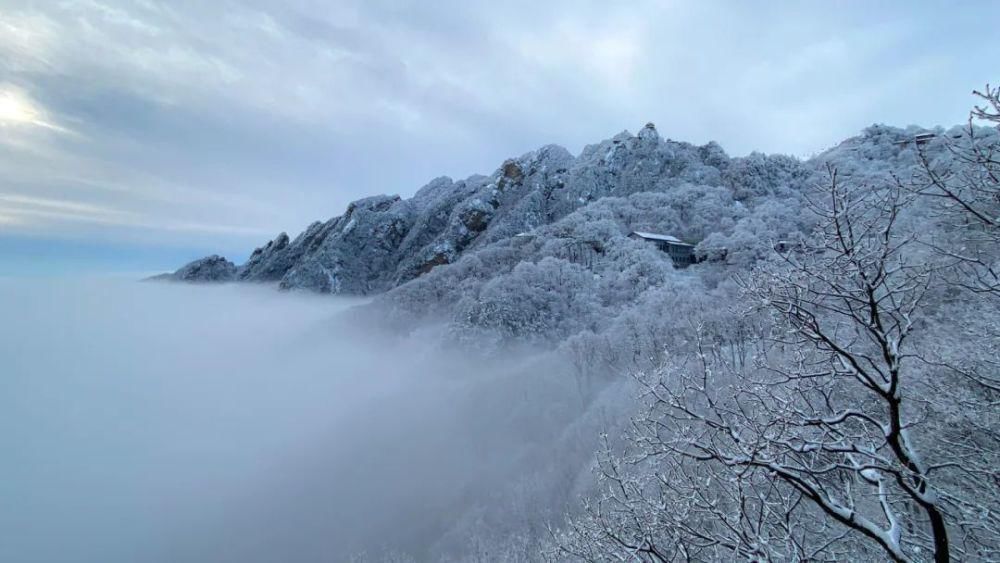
[[383, 241]]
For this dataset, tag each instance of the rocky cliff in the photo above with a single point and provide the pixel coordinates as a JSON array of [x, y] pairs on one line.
[[383, 241]]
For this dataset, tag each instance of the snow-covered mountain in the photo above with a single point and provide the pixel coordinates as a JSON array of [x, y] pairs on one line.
[[533, 268], [382, 242]]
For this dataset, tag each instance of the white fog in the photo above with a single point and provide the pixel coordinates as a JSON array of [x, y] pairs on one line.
[[161, 422], [474, 282]]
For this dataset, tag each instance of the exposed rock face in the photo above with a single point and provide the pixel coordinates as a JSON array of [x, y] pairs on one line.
[[383, 241], [270, 261], [313, 276], [209, 269]]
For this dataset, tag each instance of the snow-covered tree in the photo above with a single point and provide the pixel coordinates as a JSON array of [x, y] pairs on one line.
[[965, 184], [833, 442]]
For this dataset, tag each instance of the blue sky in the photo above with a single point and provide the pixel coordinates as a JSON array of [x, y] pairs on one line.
[[137, 135]]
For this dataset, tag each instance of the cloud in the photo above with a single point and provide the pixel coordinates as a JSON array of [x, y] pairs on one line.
[[71, 210], [26, 210], [152, 422], [15, 109], [268, 115], [18, 112], [6, 219]]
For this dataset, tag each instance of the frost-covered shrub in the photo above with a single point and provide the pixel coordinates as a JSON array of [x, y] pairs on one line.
[[547, 300]]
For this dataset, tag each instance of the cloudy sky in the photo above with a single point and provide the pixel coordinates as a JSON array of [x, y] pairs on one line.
[[135, 135]]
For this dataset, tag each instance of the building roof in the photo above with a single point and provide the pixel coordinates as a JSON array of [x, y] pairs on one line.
[[656, 236], [919, 138]]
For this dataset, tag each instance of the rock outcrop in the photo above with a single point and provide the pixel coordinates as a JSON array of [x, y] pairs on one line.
[[209, 269], [383, 241]]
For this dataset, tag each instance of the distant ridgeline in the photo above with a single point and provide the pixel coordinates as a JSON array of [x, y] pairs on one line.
[[694, 203]]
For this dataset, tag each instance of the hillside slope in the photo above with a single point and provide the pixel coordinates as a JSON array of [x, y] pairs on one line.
[[382, 242]]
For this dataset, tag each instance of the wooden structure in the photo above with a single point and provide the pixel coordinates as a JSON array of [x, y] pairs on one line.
[[918, 139], [680, 252]]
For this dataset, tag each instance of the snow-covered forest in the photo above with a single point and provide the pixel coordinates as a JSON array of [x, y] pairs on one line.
[[366, 281], [820, 385]]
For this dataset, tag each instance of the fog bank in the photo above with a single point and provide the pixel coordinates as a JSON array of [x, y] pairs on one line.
[[159, 422]]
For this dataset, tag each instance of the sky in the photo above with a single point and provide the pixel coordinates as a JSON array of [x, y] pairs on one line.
[[136, 135]]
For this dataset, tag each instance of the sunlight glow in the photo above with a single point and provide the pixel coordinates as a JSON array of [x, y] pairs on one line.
[[18, 109], [15, 108]]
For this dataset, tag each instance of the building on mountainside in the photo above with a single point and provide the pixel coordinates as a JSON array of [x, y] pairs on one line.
[[680, 252], [918, 139]]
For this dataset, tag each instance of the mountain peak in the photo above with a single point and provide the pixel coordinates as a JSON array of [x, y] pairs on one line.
[[649, 132]]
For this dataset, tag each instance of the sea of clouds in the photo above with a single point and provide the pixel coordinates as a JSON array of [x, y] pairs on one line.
[[161, 422]]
